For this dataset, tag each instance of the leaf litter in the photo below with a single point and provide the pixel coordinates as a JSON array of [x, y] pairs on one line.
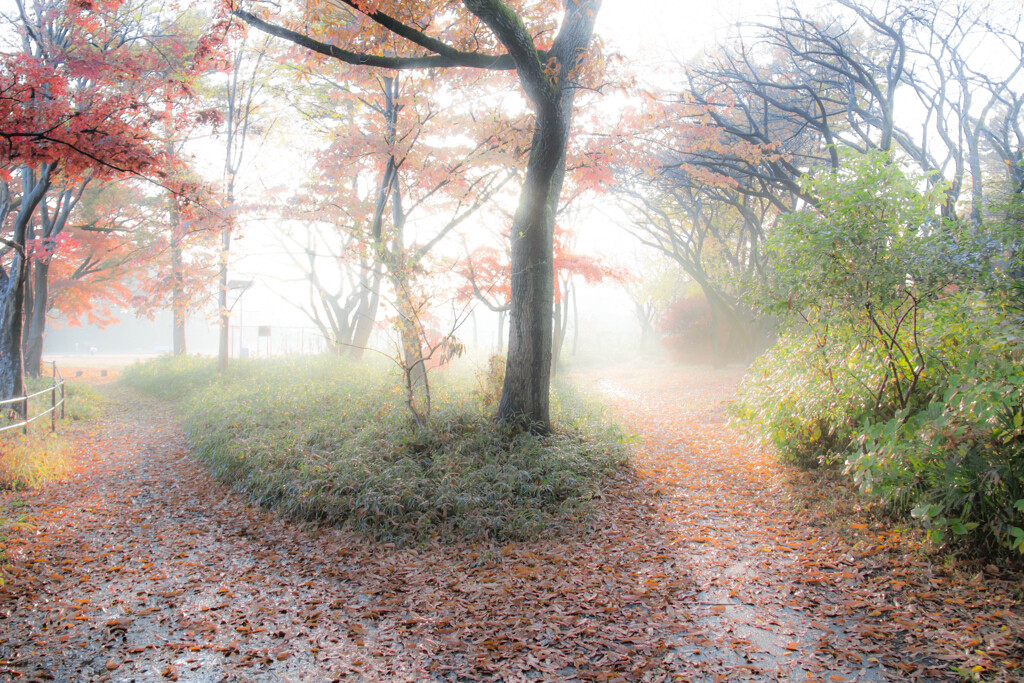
[[709, 562]]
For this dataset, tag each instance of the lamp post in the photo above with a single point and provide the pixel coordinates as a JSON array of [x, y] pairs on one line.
[[242, 286]]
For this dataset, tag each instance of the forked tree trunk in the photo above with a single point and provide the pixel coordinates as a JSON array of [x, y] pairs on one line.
[[525, 397], [524, 400]]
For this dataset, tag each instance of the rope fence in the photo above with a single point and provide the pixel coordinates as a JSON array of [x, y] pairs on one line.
[[19, 404]]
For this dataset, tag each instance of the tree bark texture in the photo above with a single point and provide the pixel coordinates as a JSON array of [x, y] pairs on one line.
[[12, 292], [525, 399], [12, 283], [36, 317], [37, 303]]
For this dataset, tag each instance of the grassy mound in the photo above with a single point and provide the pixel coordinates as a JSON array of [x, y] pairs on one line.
[[331, 443]]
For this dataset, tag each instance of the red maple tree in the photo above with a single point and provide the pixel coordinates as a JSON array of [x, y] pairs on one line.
[[80, 102]]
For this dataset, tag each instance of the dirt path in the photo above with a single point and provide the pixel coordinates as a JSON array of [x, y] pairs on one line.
[[760, 607], [797, 581], [141, 568]]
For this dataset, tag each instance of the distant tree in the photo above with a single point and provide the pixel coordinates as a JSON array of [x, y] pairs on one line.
[[789, 95], [488, 280], [424, 169], [249, 69], [339, 298], [656, 282], [102, 254], [489, 34]]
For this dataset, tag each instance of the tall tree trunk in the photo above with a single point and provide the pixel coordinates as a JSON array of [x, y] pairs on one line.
[[12, 283], [561, 331], [575, 322], [36, 317], [365, 317], [223, 314], [525, 396], [557, 336], [178, 305], [27, 306], [644, 317]]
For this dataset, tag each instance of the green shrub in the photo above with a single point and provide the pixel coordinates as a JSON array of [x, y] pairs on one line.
[[808, 413], [958, 464], [330, 442], [32, 459], [898, 355], [83, 401], [28, 460]]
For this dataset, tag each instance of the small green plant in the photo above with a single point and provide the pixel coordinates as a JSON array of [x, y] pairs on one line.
[[84, 401], [489, 382], [11, 519], [956, 465]]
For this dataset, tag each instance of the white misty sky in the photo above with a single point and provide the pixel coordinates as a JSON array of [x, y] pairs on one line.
[[652, 32], [663, 29]]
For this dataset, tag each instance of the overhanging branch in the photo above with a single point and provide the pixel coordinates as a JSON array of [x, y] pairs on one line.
[[444, 55]]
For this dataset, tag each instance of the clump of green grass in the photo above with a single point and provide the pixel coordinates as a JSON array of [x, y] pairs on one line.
[[171, 378], [29, 460], [83, 401], [12, 520], [330, 442]]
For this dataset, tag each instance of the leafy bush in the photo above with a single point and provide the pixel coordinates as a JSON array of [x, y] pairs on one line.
[[83, 401], [958, 464], [897, 356], [330, 443], [810, 416]]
